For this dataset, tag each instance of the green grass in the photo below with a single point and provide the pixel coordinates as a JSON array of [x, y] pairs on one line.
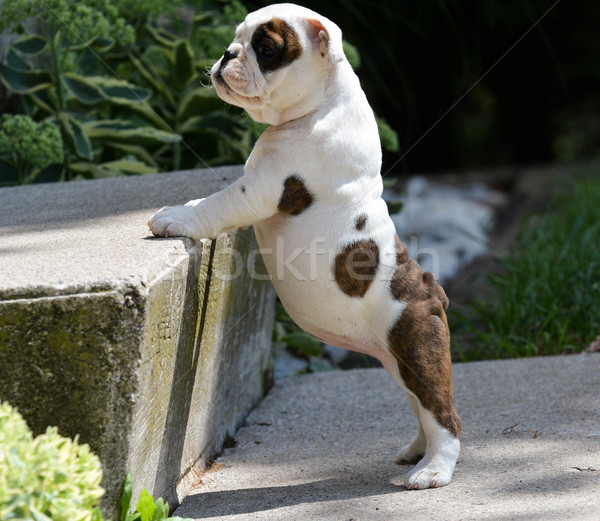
[[546, 300]]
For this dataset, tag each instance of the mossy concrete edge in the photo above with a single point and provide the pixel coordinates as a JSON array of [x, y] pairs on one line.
[[153, 351]]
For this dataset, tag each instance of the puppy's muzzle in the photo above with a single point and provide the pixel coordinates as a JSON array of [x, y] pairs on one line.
[[227, 57]]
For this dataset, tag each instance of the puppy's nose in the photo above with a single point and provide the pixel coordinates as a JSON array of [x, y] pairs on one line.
[[229, 55]]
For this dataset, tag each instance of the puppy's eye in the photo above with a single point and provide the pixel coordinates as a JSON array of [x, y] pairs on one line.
[[266, 50]]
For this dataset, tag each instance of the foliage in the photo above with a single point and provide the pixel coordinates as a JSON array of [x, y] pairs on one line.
[[146, 508], [170, 61], [352, 55], [120, 81], [547, 297], [388, 136], [27, 147], [45, 69], [79, 71], [53, 478], [45, 478], [83, 21]]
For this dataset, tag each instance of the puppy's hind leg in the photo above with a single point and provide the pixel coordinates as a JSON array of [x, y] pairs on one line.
[[415, 450], [419, 342], [437, 466]]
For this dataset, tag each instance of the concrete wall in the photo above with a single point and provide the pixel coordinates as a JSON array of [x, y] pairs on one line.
[[153, 351]]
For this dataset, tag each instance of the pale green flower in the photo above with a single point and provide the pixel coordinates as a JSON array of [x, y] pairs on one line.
[[29, 146], [48, 476]]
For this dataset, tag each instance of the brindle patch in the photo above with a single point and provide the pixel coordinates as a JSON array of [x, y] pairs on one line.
[[355, 267], [360, 222], [295, 197], [420, 340], [276, 44], [409, 283], [401, 252]]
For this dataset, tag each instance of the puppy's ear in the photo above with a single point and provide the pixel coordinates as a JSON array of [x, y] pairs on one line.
[[327, 37]]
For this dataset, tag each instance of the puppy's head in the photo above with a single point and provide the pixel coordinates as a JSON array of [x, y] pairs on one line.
[[278, 64]]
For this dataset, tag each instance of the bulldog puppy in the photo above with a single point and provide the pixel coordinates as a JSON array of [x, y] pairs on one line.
[[312, 189]]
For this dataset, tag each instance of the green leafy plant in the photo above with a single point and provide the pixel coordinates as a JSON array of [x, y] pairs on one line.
[[146, 508], [545, 300], [388, 136], [27, 147], [171, 60], [53, 478], [45, 478], [59, 74], [123, 81], [120, 80]]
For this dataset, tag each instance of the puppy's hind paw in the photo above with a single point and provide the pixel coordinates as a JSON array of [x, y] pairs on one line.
[[412, 452], [435, 469], [422, 478]]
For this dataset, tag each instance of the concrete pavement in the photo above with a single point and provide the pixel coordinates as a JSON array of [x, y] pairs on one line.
[[322, 447]]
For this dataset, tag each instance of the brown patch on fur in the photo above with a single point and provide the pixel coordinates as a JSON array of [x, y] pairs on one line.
[[355, 267], [410, 284], [401, 252], [360, 222], [295, 198], [420, 340], [276, 44]]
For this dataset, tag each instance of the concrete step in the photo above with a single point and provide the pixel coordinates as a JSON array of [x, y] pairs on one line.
[[151, 350], [322, 447]]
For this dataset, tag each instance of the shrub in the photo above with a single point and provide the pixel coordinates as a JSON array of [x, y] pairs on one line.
[[45, 478], [75, 65], [171, 59], [120, 81], [146, 509], [28, 147]]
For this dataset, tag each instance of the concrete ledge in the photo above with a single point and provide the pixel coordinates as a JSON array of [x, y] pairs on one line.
[[152, 350]]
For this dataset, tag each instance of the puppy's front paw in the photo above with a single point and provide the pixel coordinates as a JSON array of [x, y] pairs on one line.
[[194, 202], [176, 221]]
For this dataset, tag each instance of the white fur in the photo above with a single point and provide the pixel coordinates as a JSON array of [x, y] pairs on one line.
[[323, 130]]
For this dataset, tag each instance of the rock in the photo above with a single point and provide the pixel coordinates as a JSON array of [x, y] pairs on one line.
[[445, 226]]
